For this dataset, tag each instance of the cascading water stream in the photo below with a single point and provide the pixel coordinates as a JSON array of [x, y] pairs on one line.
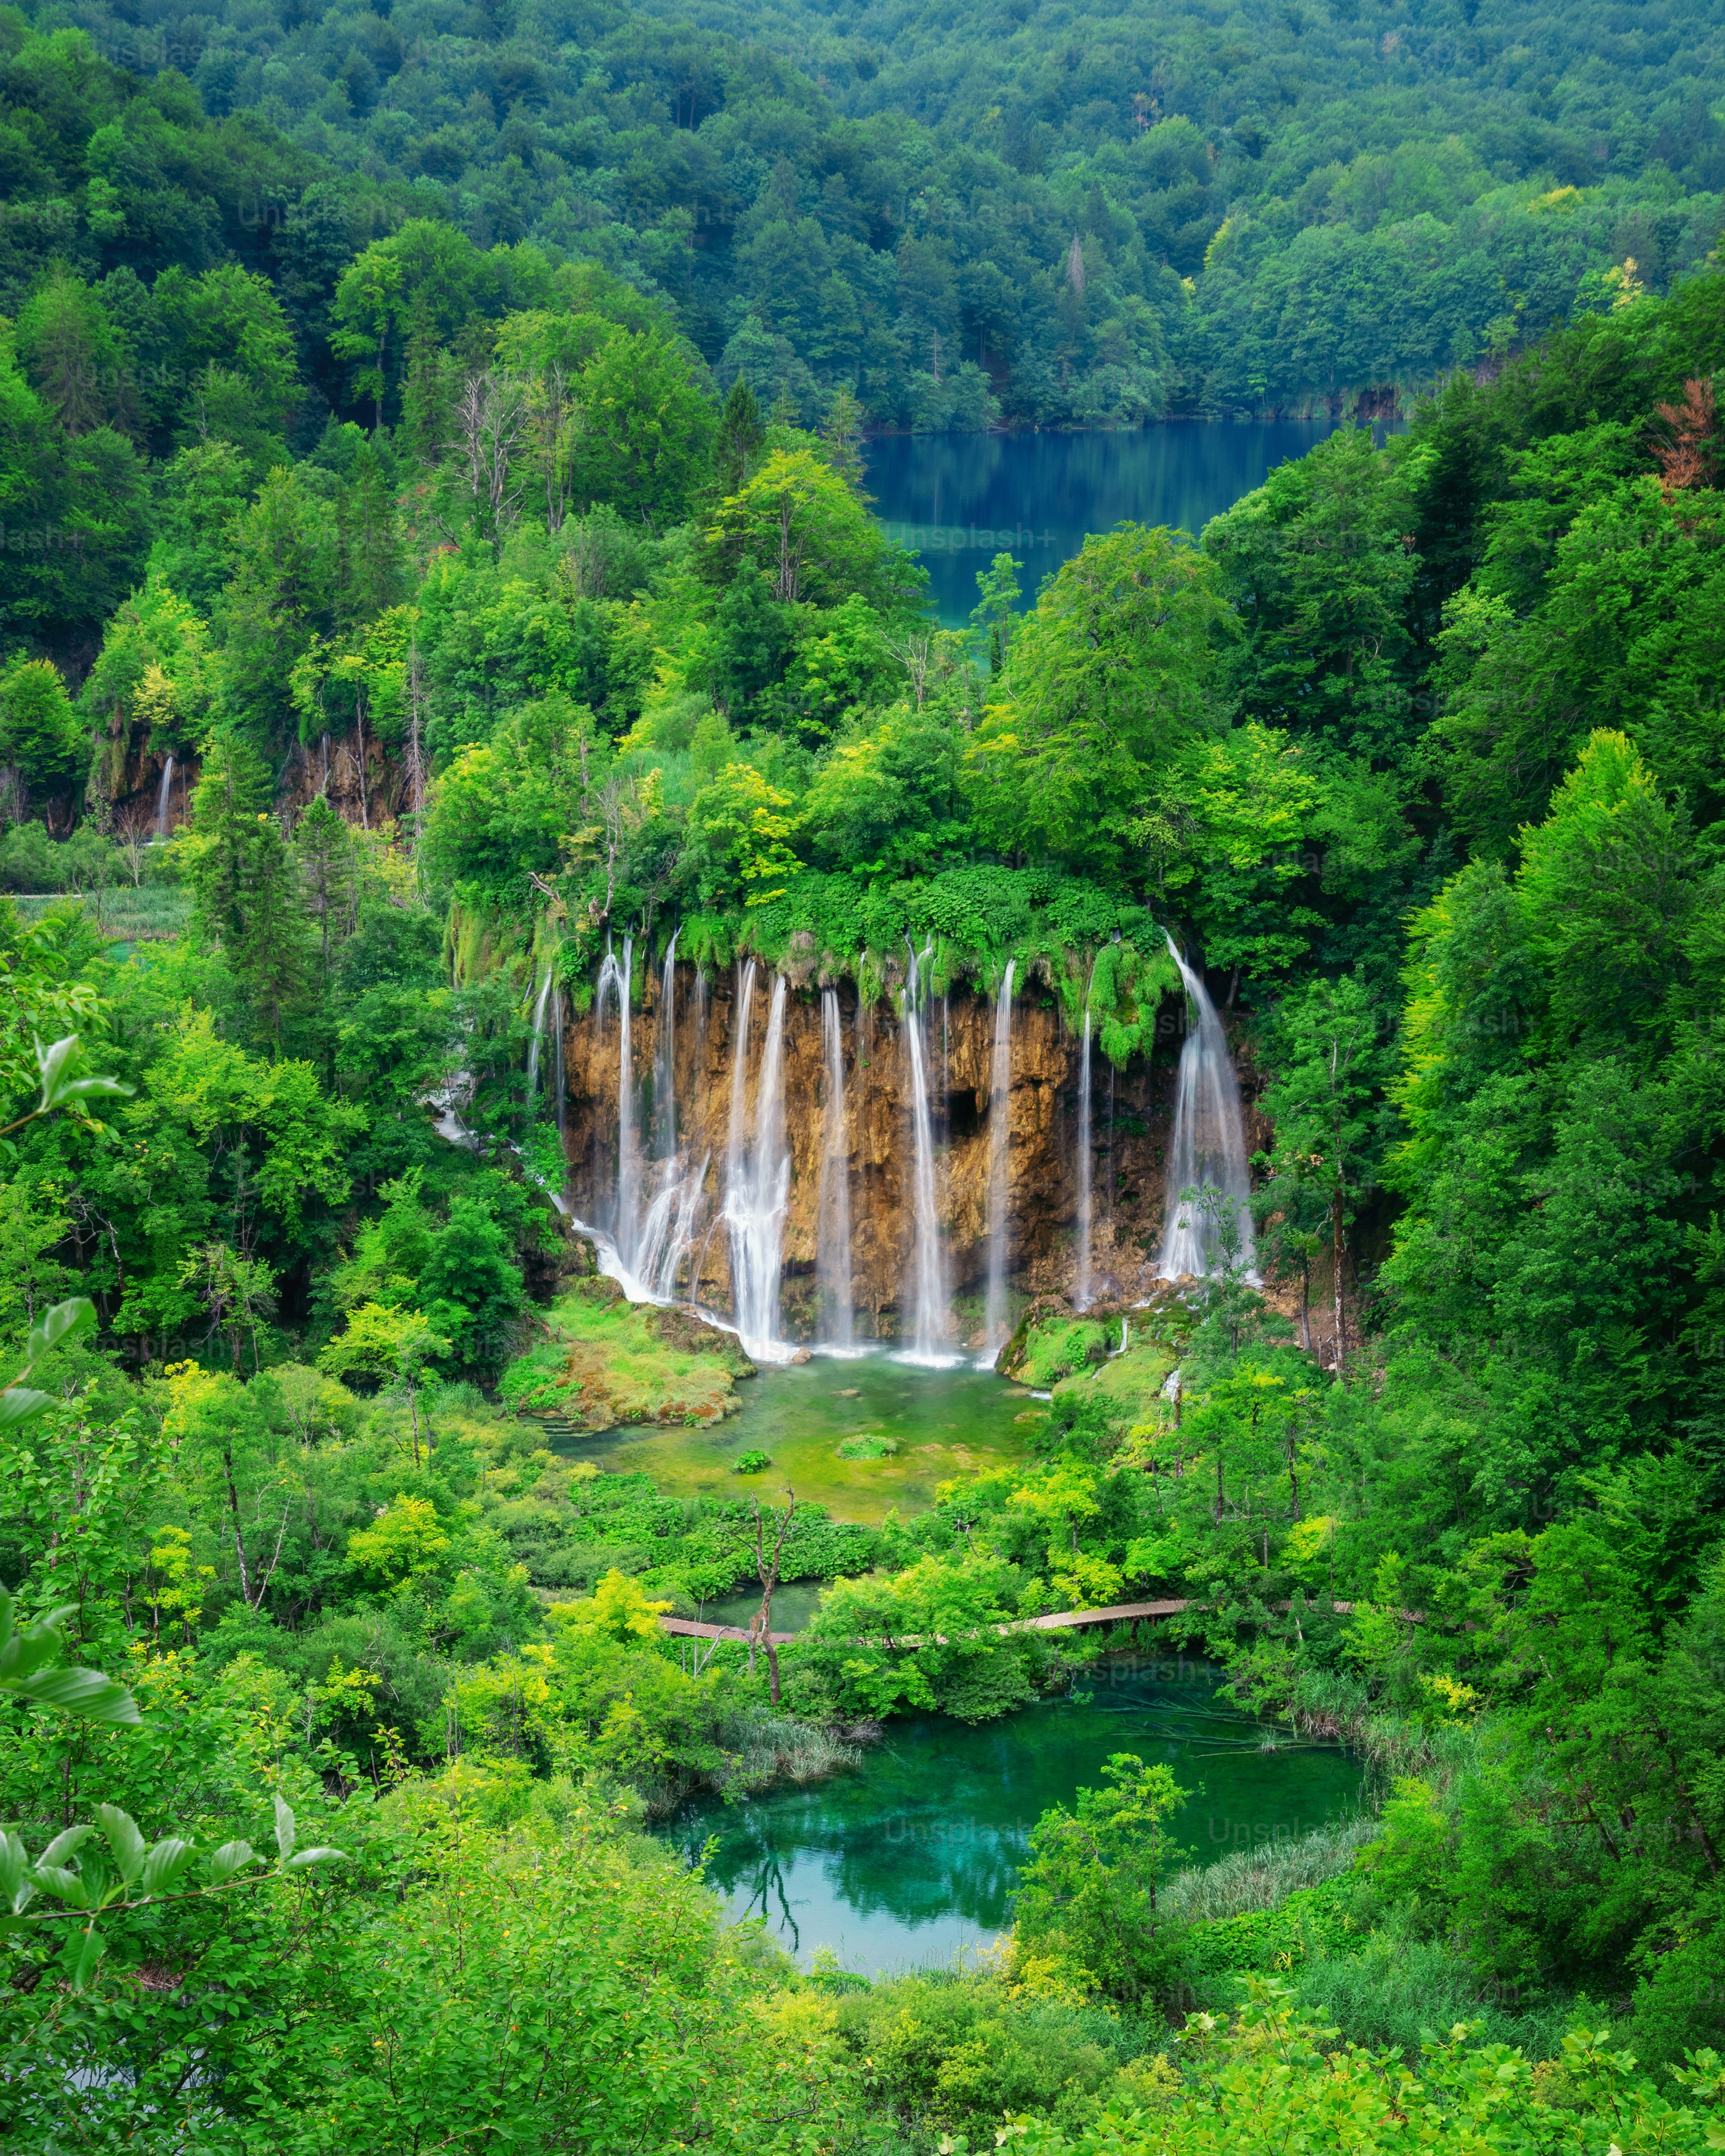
[[994, 1325], [1080, 1292], [164, 794], [664, 1058], [757, 1181], [541, 1003], [925, 1288], [832, 1260], [649, 1238], [1209, 1150]]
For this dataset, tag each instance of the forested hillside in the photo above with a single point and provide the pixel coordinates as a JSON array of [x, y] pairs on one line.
[[1060, 217], [399, 611]]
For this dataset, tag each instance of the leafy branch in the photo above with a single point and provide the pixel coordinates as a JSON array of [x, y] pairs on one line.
[[142, 1875], [54, 1067]]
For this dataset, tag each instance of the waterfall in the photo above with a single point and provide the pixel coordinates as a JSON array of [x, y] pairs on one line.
[[925, 1290], [832, 1262], [995, 1323], [615, 980], [541, 1003], [163, 794], [664, 1058], [646, 1246], [1080, 1292], [757, 1181], [1209, 1151], [737, 1130]]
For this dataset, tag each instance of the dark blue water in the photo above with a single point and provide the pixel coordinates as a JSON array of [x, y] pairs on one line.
[[958, 500]]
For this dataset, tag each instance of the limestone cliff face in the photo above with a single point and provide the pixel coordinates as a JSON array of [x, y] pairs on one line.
[[1131, 1117]]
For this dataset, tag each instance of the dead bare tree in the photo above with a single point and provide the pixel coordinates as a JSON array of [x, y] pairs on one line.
[[767, 1564], [915, 654], [493, 421], [133, 830]]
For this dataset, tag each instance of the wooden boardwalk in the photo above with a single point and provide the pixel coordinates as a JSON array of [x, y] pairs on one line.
[[1057, 1621]]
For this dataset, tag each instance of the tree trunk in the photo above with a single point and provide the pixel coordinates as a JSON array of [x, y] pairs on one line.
[[245, 1584], [1337, 1251]]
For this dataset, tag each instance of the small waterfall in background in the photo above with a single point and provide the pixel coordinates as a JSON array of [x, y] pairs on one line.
[[995, 1323], [163, 793], [925, 1296], [1080, 1292], [1208, 1148], [541, 1004], [757, 1181], [832, 1260]]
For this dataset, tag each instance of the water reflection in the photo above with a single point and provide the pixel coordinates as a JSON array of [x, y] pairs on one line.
[[959, 499], [913, 1857]]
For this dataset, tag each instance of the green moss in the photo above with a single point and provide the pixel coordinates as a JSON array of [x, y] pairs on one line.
[[606, 1362], [1048, 1349]]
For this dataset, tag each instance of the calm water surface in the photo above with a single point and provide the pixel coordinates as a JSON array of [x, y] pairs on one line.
[[912, 1858], [943, 1422], [958, 500]]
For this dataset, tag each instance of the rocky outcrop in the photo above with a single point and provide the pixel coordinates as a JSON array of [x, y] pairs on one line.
[[1132, 1112]]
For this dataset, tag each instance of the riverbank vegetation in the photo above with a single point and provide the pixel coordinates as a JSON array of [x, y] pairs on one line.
[[1418, 752]]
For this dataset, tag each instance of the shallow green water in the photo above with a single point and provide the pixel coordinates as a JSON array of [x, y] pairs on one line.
[[910, 1859], [944, 1423]]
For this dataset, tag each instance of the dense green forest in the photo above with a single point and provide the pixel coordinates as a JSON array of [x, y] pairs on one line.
[[1063, 217], [399, 604]]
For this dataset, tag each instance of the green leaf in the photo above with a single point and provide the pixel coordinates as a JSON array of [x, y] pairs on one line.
[[315, 1856], [231, 1857], [84, 1957], [64, 1884], [124, 1839], [18, 1403], [63, 1845], [86, 1693], [164, 1865], [13, 1860], [55, 1066], [28, 1649], [76, 1314], [285, 1830]]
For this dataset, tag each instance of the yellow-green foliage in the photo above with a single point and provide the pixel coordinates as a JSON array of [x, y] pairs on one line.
[[1271, 2082]]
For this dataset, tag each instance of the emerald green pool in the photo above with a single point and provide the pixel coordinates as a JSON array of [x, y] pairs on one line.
[[910, 1859]]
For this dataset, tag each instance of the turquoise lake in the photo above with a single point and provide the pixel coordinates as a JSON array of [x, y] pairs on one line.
[[910, 1859], [958, 500]]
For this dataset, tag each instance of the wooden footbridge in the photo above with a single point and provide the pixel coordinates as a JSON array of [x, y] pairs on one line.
[[1057, 1621]]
